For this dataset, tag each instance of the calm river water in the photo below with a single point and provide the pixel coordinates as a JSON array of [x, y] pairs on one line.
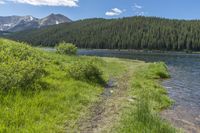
[[183, 86]]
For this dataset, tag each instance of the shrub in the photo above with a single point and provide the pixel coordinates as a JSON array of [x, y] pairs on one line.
[[21, 66], [85, 71], [158, 70], [66, 48]]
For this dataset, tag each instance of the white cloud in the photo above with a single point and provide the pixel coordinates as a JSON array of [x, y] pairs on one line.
[[137, 6], [117, 10], [140, 13], [69, 3], [114, 12], [2, 2], [138, 10]]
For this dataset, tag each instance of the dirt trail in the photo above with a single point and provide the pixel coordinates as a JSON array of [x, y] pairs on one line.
[[107, 110]]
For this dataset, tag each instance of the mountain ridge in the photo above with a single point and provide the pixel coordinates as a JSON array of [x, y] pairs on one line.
[[19, 23]]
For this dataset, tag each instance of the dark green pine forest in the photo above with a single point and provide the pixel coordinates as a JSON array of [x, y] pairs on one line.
[[124, 33]]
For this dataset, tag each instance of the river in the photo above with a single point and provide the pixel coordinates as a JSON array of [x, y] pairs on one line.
[[183, 86]]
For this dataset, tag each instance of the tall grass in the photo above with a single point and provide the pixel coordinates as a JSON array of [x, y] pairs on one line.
[[58, 99], [57, 103], [142, 115]]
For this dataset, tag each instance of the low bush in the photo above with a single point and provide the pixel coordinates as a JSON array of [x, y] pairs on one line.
[[66, 48], [85, 71], [21, 66], [158, 70]]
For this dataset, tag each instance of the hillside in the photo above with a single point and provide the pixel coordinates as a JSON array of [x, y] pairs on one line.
[[125, 33]]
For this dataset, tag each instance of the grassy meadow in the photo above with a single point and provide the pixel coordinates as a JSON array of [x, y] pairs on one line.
[[47, 92]]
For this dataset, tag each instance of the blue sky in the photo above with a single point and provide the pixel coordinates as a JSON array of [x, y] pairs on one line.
[[81, 9]]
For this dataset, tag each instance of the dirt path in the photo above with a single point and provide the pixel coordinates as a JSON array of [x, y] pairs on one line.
[[106, 112]]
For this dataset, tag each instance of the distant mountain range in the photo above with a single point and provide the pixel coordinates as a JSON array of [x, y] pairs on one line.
[[20, 23]]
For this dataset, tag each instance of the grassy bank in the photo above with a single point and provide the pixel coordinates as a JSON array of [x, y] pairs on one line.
[[148, 97], [43, 96], [56, 102]]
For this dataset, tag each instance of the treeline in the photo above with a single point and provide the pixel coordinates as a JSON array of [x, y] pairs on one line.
[[2, 33], [125, 33]]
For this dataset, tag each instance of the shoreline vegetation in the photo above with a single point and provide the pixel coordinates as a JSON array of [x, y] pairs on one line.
[[128, 50], [46, 95], [140, 51]]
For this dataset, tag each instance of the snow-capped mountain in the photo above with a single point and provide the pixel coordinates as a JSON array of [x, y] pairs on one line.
[[19, 23], [53, 19]]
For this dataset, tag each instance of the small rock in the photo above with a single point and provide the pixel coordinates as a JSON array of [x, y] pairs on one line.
[[168, 87], [130, 100]]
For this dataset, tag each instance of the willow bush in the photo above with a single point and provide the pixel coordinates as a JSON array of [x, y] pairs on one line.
[[66, 48], [21, 66], [85, 71]]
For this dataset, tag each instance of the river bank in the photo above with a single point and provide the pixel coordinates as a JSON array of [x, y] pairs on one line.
[[58, 102], [183, 86], [81, 51]]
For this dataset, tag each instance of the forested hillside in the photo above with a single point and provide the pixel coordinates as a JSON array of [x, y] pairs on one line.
[[126, 33]]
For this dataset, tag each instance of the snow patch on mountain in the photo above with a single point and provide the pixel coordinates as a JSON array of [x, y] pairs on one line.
[[19, 23]]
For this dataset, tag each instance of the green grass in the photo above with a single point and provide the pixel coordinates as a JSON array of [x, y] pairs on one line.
[[59, 102], [58, 106], [150, 98]]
